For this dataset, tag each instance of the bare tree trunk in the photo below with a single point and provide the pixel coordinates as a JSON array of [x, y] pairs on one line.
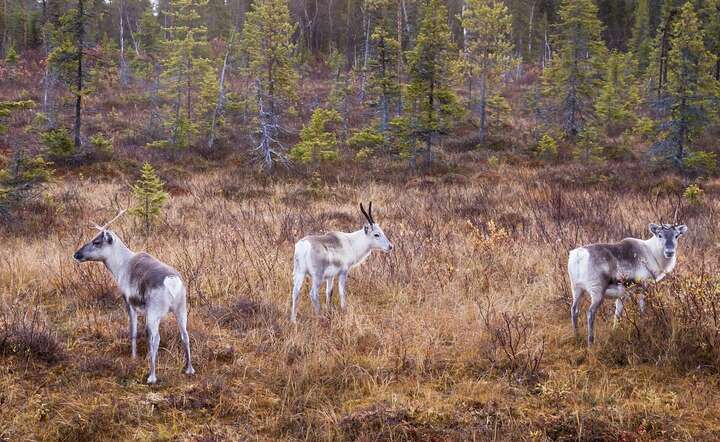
[[49, 77], [400, 57], [123, 63], [366, 52], [221, 95], [3, 46], [153, 123], [530, 29], [132, 36], [483, 104], [265, 128], [78, 93]]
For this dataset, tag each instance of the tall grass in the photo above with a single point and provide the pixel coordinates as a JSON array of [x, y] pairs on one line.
[[462, 332]]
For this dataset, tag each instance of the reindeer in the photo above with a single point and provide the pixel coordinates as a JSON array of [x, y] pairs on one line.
[[334, 254], [148, 286], [602, 270]]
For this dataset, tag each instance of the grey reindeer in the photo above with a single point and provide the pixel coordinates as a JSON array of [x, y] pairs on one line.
[[601, 270], [149, 287], [324, 257]]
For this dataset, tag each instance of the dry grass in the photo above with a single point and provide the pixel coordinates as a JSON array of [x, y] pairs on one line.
[[462, 333]]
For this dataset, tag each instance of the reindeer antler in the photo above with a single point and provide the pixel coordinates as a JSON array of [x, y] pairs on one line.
[[367, 216], [105, 226]]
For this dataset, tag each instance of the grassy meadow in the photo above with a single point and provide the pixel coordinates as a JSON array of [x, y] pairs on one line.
[[461, 333]]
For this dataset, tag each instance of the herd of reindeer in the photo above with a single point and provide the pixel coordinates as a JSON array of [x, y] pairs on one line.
[[153, 288]]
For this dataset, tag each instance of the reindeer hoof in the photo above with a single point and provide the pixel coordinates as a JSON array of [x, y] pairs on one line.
[[190, 370], [152, 379]]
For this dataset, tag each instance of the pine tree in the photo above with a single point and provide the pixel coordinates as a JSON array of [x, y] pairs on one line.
[[575, 73], [67, 58], [489, 49], [434, 102], [690, 86], [641, 43], [268, 47], [710, 16], [150, 195], [318, 142], [383, 84], [147, 64], [189, 78], [23, 175], [617, 102]]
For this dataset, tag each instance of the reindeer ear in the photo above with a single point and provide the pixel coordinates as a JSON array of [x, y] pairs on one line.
[[366, 227], [654, 228], [681, 229], [108, 237]]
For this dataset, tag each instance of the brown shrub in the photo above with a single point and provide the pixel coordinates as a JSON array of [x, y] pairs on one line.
[[680, 328], [25, 332]]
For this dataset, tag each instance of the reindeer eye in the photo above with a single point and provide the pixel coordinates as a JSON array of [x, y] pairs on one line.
[[377, 235], [97, 242]]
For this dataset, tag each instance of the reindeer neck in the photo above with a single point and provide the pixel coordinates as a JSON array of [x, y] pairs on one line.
[[117, 263], [360, 246], [656, 251]]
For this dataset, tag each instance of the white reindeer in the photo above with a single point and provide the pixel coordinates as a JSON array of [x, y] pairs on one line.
[[601, 270], [148, 286], [325, 256]]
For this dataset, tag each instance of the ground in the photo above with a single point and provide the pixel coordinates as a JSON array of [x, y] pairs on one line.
[[461, 333]]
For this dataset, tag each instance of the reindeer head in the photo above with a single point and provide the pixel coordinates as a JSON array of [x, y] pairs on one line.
[[375, 234], [668, 235], [101, 247]]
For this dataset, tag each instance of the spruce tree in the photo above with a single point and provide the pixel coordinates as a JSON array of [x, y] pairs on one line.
[[710, 17], [268, 47], [383, 84], [618, 99], [434, 103], [489, 49], [189, 81], [318, 141], [67, 58], [575, 73], [150, 195], [690, 86], [641, 42]]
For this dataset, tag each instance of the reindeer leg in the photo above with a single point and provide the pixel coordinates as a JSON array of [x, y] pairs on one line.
[[297, 286], [153, 331], [597, 298], [341, 288], [575, 309], [181, 316], [618, 311], [329, 291], [132, 315], [315, 293]]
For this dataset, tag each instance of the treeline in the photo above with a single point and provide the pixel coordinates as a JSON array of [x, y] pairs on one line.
[[610, 74]]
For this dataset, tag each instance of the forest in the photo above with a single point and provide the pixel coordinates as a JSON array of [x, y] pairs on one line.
[[492, 137]]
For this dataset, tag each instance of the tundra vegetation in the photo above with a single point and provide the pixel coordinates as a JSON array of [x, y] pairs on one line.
[[489, 156]]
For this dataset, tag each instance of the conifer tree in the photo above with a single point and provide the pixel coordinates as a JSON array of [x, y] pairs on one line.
[[268, 47], [434, 102], [67, 58], [383, 84], [22, 177], [690, 86], [641, 42], [189, 78], [618, 99], [150, 195], [710, 17], [147, 64], [318, 141], [489, 49], [575, 73]]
